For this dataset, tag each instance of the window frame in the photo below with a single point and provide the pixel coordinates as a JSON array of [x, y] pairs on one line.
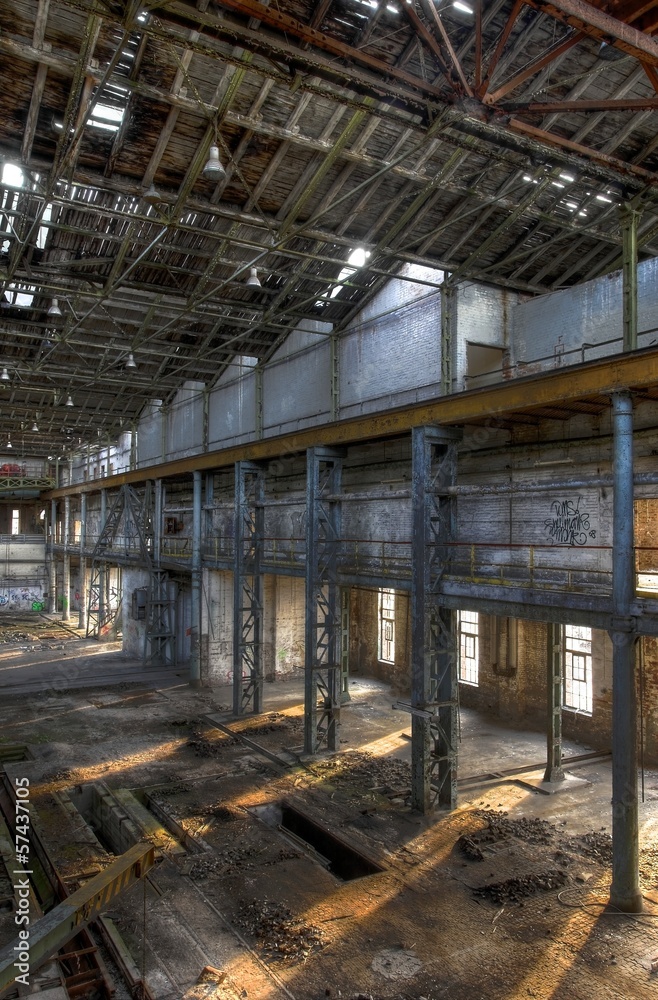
[[468, 667], [385, 619], [577, 691]]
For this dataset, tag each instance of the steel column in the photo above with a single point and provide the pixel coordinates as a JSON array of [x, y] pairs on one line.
[[629, 218], [434, 703], [66, 583], [101, 583], [345, 696], [625, 891], [157, 521], [82, 613], [555, 673], [447, 299], [52, 566], [248, 589], [322, 693], [195, 633]]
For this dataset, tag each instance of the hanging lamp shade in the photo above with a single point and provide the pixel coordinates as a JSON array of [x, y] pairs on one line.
[[253, 281], [152, 195], [4, 377], [69, 401], [54, 309], [131, 363], [213, 168]]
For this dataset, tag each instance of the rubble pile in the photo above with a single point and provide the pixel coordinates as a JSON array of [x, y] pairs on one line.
[[499, 826], [203, 747], [593, 845], [275, 722], [514, 889], [470, 849], [280, 935], [176, 788], [385, 774]]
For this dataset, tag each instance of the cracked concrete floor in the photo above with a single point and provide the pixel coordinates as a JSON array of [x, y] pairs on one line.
[[527, 919]]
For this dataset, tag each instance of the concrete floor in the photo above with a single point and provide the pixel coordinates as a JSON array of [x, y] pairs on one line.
[[257, 905]]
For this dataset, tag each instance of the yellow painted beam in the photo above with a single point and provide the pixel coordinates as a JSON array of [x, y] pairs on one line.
[[637, 370]]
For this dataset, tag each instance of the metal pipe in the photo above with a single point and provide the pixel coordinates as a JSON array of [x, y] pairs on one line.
[[66, 583], [195, 630], [624, 892], [82, 613]]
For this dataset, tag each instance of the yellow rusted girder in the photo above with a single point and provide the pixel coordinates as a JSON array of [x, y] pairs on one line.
[[638, 370], [42, 939]]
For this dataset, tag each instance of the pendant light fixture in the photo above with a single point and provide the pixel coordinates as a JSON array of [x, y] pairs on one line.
[[152, 195], [253, 281], [213, 169], [130, 362], [54, 309]]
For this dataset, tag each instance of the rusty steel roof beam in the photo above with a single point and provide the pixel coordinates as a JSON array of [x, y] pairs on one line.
[[602, 26]]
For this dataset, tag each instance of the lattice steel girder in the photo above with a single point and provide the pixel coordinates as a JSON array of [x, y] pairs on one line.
[[434, 706], [555, 673], [248, 588], [322, 692]]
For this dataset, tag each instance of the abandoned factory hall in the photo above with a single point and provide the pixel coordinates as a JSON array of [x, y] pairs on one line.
[[329, 499]]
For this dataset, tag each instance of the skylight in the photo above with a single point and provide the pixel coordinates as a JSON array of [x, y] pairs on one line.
[[12, 175], [357, 259], [106, 117], [20, 295], [42, 235]]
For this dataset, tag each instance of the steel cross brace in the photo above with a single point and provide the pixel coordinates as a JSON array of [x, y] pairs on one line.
[[129, 510], [248, 588], [322, 694], [433, 632]]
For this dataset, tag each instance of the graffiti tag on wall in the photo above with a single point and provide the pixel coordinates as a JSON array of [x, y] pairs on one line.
[[22, 595], [568, 524]]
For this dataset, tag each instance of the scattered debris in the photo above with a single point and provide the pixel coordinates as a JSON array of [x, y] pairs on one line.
[[280, 935], [227, 862]]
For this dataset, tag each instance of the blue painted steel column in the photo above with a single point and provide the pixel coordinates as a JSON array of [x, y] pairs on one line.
[[195, 652], [82, 613], [625, 892]]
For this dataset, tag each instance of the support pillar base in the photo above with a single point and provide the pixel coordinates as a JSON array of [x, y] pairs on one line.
[[627, 903]]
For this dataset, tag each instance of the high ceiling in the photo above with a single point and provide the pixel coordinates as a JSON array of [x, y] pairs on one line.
[[495, 141]]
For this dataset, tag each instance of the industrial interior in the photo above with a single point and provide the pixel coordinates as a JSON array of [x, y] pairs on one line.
[[329, 499]]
